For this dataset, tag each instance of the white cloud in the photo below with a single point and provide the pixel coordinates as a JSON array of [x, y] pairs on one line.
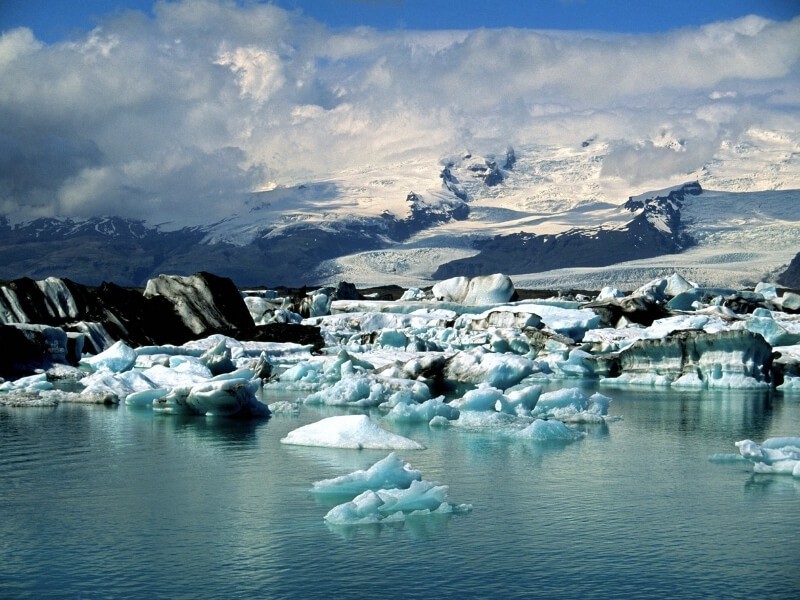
[[182, 114]]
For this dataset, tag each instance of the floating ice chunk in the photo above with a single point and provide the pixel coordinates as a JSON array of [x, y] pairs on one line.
[[790, 301], [419, 413], [572, 405], [353, 391], [118, 358], [439, 422], [522, 399], [483, 290], [349, 431], [413, 294], [284, 406], [608, 339], [174, 402], [480, 419], [303, 371], [676, 284], [389, 472], [185, 373], [578, 364], [768, 290], [119, 384], [30, 383], [775, 455], [227, 397], [53, 398], [479, 365], [550, 431], [218, 358], [570, 322], [509, 316], [609, 293], [145, 398], [772, 331], [790, 384], [483, 398], [362, 510], [422, 497]]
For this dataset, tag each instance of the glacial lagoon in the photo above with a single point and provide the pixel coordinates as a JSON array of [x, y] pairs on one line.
[[101, 502]]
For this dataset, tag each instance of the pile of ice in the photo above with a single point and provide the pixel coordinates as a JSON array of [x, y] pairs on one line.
[[215, 376], [525, 412], [388, 491], [780, 455]]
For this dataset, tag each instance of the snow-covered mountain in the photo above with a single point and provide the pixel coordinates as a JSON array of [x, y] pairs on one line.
[[551, 216]]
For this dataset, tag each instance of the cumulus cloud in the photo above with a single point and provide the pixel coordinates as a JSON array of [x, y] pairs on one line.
[[177, 117]]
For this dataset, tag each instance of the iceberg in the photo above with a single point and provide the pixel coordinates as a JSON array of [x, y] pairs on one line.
[[424, 412], [550, 431], [393, 505], [118, 358], [780, 455], [227, 398], [390, 472], [349, 431], [500, 370], [572, 405], [732, 358], [487, 289]]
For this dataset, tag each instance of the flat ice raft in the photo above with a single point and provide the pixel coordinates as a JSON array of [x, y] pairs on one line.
[[349, 431]]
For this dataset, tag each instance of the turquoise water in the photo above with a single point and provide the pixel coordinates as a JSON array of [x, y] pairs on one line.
[[103, 502]]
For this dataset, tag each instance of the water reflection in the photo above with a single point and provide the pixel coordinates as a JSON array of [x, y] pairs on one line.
[[417, 527], [761, 484], [732, 414]]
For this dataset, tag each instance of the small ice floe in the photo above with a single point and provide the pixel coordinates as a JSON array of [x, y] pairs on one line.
[[779, 455], [349, 431], [393, 505], [390, 472], [388, 491]]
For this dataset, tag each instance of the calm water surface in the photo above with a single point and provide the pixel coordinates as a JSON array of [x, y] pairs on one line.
[[110, 502]]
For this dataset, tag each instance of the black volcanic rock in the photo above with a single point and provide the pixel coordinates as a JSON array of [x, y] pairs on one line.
[[791, 276], [176, 310], [24, 348], [287, 332], [654, 231]]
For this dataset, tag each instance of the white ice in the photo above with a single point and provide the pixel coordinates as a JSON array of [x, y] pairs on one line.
[[118, 358], [422, 412], [780, 455], [349, 431], [389, 472], [394, 505]]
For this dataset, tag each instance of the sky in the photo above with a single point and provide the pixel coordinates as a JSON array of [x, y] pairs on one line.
[[55, 20], [179, 110]]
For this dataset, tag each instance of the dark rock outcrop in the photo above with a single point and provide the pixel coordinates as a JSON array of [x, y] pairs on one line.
[[791, 276], [52, 321], [287, 332], [654, 230]]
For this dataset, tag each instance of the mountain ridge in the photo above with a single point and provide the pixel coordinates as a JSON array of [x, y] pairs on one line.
[[523, 211]]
